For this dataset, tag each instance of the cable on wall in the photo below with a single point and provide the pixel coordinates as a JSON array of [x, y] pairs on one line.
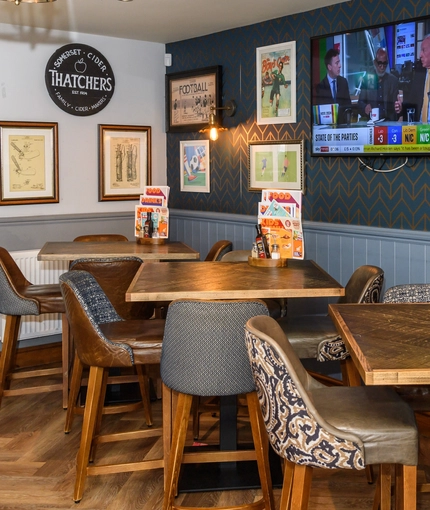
[[380, 169]]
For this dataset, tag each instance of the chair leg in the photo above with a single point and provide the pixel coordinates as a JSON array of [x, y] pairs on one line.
[[75, 385], [177, 449], [98, 425], [196, 417], [90, 417], [406, 483], [143, 379], [301, 487], [10, 339], [65, 357], [261, 445], [382, 500], [287, 485]]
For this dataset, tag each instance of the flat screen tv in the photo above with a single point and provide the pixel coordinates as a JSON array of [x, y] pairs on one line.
[[380, 105]]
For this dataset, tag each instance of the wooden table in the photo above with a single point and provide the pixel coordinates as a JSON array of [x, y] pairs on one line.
[[226, 280], [389, 343], [68, 251], [231, 280], [154, 252]]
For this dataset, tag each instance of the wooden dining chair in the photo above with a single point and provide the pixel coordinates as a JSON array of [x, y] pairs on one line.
[[315, 426], [92, 238], [204, 354], [104, 340]]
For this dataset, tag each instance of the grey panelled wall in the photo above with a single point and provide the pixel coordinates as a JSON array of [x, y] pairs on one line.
[[404, 255]]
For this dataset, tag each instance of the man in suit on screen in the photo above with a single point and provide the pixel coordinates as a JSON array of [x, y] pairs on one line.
[[333, 88]]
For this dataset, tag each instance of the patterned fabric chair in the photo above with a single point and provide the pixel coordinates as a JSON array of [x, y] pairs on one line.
[[204, 354], [315, 336], [103, 340], [19, 297], [311, 425], [114, 276]]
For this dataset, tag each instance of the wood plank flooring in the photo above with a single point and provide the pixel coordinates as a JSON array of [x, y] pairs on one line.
[[37, 466]]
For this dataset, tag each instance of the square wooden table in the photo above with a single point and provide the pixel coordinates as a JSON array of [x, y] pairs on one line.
[[225, 280], [389, 343], [154, 252]]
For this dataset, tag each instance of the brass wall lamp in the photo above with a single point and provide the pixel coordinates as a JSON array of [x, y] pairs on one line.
[[214, 127]]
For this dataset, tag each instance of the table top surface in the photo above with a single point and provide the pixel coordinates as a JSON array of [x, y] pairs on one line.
[[75, 250], [231, 280], [389, 343]]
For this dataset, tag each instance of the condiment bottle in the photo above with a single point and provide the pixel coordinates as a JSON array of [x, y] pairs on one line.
[[259, 243], [276, 254]]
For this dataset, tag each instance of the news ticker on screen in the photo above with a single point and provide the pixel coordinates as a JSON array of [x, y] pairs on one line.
[[372, 139]]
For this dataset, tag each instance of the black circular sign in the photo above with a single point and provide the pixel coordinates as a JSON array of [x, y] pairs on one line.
[[79, 79]]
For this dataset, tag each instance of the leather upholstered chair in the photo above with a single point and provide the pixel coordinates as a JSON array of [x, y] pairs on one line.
[[103, 340], [114, 276], [314, 426], [204, 354], [315, 336], [91, 238], [218, 250], [19, 297]]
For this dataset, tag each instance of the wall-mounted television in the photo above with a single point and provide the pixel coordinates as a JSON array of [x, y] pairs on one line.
[[378, 104]]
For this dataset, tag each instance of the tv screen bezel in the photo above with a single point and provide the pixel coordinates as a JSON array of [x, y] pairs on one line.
[[374, 154]]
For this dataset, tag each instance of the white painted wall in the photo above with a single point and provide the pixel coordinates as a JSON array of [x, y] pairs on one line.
[[138, 100]]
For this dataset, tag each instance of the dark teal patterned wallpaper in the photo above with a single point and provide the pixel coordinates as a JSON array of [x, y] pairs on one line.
[[337, 190]]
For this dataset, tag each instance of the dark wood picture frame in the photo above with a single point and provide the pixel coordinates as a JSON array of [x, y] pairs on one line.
[[124, 161], [189, 95]]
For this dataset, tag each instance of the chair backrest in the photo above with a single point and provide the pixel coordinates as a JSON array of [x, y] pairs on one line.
[[364, 286], [236, 256], [92, 238], [218, 250], [295, 428], [114, 275], [12, 284], [408, 293], [204, 350], [87, 306]]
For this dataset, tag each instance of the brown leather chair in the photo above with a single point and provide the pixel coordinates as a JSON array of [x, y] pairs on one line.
[[19, 297], [114, 276], [103, 340]]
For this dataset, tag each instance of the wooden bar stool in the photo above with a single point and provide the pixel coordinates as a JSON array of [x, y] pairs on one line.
[[19, 297], [103, 340]]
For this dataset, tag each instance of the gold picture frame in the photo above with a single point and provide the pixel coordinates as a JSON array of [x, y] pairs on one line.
[[124, 161], [28, 163], [277, 165]]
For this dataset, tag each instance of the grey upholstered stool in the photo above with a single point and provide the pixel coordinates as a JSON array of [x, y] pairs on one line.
[[312, 425], [103, 340], [204, 354]]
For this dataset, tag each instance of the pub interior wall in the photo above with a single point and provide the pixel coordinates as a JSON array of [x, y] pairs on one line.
[[138, 99], [337, 190]]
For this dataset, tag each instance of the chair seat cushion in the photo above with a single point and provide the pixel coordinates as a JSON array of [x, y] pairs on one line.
[[48, 295], [143, 336], [306, 333], [377, 415]]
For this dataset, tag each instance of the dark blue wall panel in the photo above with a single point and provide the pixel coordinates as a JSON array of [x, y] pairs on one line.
[[338, 190]]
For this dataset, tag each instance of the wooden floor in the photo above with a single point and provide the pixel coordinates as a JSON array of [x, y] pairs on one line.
[[37, 466]]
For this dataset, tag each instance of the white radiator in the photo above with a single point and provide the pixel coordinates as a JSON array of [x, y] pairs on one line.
[[38, 273]]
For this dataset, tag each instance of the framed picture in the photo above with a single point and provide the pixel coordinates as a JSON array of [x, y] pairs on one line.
[[29, 163], [124, 161], [194, 162], [189, 96], [276, 165], [276, 83]]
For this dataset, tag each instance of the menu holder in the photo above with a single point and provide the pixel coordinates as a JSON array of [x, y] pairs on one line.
[[150, 240], [257, 262]]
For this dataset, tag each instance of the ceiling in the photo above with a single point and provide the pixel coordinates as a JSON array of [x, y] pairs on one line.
[[159, 21]]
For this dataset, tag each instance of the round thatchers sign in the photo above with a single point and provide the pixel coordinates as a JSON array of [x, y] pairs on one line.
[[79, 79]]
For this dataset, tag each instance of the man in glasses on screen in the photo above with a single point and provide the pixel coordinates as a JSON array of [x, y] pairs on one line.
[[379, 97]]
